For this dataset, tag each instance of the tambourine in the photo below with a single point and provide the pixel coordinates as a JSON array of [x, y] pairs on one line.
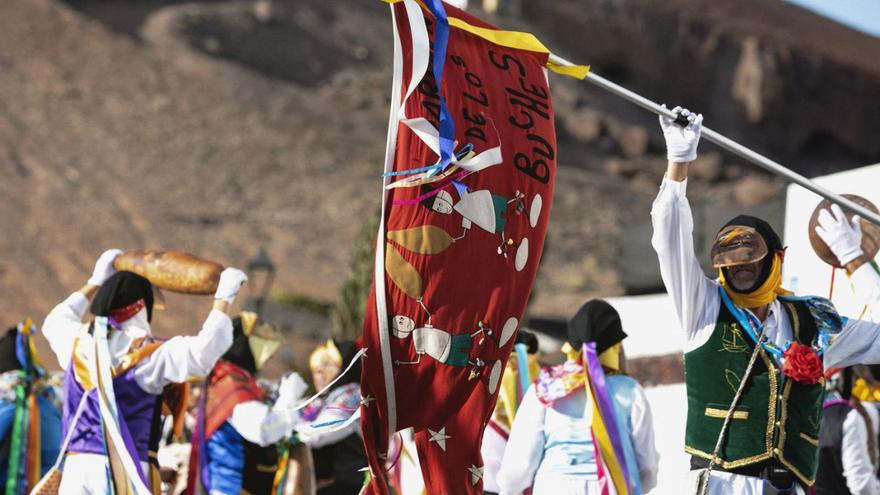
[[870, 231]]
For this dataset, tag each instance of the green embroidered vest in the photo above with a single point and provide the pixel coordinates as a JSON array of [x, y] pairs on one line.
[[776, 418]]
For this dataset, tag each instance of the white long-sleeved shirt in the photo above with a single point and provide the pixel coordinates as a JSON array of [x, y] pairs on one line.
[[263, 425], [174, 361], [860, 476], [552, 445], [697, 301], [866, 285]]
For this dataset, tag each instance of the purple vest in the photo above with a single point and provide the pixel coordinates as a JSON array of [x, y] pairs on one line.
[[137, 408]]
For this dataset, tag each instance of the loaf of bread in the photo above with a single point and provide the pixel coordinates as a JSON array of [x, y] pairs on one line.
[[175, 271]]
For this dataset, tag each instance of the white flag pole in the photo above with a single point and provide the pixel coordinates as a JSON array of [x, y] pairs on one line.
[[729, 145]]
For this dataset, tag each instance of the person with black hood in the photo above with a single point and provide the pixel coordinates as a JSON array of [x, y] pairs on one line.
[[754, 354], [847, 445], [521, 370], [552, 448], [115, 374], [234, 450], [326, 424], [30, 412]]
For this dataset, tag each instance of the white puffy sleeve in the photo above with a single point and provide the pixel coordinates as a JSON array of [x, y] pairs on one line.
[[262, 425], [694, 295], [642, 426], [183, 357], [525, 446], [866, 284], [63, 325]]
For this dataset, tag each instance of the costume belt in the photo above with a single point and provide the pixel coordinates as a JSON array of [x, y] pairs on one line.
[[781, 480]]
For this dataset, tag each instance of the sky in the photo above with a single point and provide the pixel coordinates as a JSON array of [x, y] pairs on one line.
[[863, 15]]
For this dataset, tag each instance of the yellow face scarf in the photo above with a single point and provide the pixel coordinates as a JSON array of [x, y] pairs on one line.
[[610, 358], [763, 295]]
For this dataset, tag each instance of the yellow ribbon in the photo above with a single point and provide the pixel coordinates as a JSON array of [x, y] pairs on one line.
[[603, 441], [763, 295], [513, 39]]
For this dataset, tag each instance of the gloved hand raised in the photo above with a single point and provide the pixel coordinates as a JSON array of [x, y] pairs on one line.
[[291, 390], [231, 280], [843, 236], [681, 142], [104, 267]]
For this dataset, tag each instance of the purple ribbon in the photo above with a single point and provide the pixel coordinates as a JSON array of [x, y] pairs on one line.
[[606, 408]]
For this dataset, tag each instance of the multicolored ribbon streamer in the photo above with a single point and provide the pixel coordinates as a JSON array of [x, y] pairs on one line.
[[604, 426], [522, 364]]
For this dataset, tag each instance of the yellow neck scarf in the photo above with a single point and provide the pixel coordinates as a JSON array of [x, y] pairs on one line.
[[763, 295], [610, 358]]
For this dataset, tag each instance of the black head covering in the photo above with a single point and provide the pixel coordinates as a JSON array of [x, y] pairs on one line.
[[240, 353], [843, 383], [347, 349], [596, 321], [120, 290], [529, 339], [774, 244], [8, 357]]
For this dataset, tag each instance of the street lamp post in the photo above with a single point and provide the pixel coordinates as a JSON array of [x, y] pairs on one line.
[[261, 274]]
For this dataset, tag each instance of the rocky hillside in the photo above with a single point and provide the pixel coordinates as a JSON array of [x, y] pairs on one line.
[[223, 126]]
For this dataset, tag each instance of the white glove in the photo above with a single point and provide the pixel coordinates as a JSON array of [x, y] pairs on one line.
[[844, 237], [681, 142], [104, 267], [231, 281], [291, 390]]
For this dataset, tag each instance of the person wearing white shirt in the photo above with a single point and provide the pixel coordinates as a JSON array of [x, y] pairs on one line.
[[119, 341], [844, 239], [550, 449], [743, 328], [235, 443], [847, 465]]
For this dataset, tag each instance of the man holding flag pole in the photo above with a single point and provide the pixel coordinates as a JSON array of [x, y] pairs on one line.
[[754, 354]]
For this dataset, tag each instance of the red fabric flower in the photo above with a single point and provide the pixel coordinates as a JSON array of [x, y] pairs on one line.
[[802, 364]]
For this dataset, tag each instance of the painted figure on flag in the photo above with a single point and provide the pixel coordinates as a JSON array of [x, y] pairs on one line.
[[471, 142]]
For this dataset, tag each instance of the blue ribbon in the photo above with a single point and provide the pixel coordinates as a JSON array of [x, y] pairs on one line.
[[467, 148], [522, 363], [749, 323], [441, 40]]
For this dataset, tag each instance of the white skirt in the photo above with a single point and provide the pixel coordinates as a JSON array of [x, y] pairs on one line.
[[547, 485], [86, 474], [722, 483]]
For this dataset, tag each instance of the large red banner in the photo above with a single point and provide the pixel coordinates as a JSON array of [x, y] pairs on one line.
[[459, 248]]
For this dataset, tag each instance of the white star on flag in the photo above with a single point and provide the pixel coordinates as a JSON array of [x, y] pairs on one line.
[[439, 437], [476, 474]]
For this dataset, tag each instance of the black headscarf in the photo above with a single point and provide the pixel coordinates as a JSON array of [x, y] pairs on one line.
[[347, 349], [240, 353], [529, 339], [120, 290], [596, 321], [774, 244], [8, 357]]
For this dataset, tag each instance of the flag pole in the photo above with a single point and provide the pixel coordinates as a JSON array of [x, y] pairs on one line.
[[729, 145]]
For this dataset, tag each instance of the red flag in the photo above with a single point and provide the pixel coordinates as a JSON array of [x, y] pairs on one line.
[[458, 248]]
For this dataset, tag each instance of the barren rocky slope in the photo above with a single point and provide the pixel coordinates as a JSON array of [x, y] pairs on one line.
[[206, 127]]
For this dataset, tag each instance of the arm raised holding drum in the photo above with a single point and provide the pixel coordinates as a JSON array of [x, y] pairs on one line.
[[845, 241], [176, 359]]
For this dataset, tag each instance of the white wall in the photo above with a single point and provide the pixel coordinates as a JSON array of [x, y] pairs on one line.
[[803, 271]]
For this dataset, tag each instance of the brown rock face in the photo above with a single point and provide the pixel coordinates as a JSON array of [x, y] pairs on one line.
[[223, 126]]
